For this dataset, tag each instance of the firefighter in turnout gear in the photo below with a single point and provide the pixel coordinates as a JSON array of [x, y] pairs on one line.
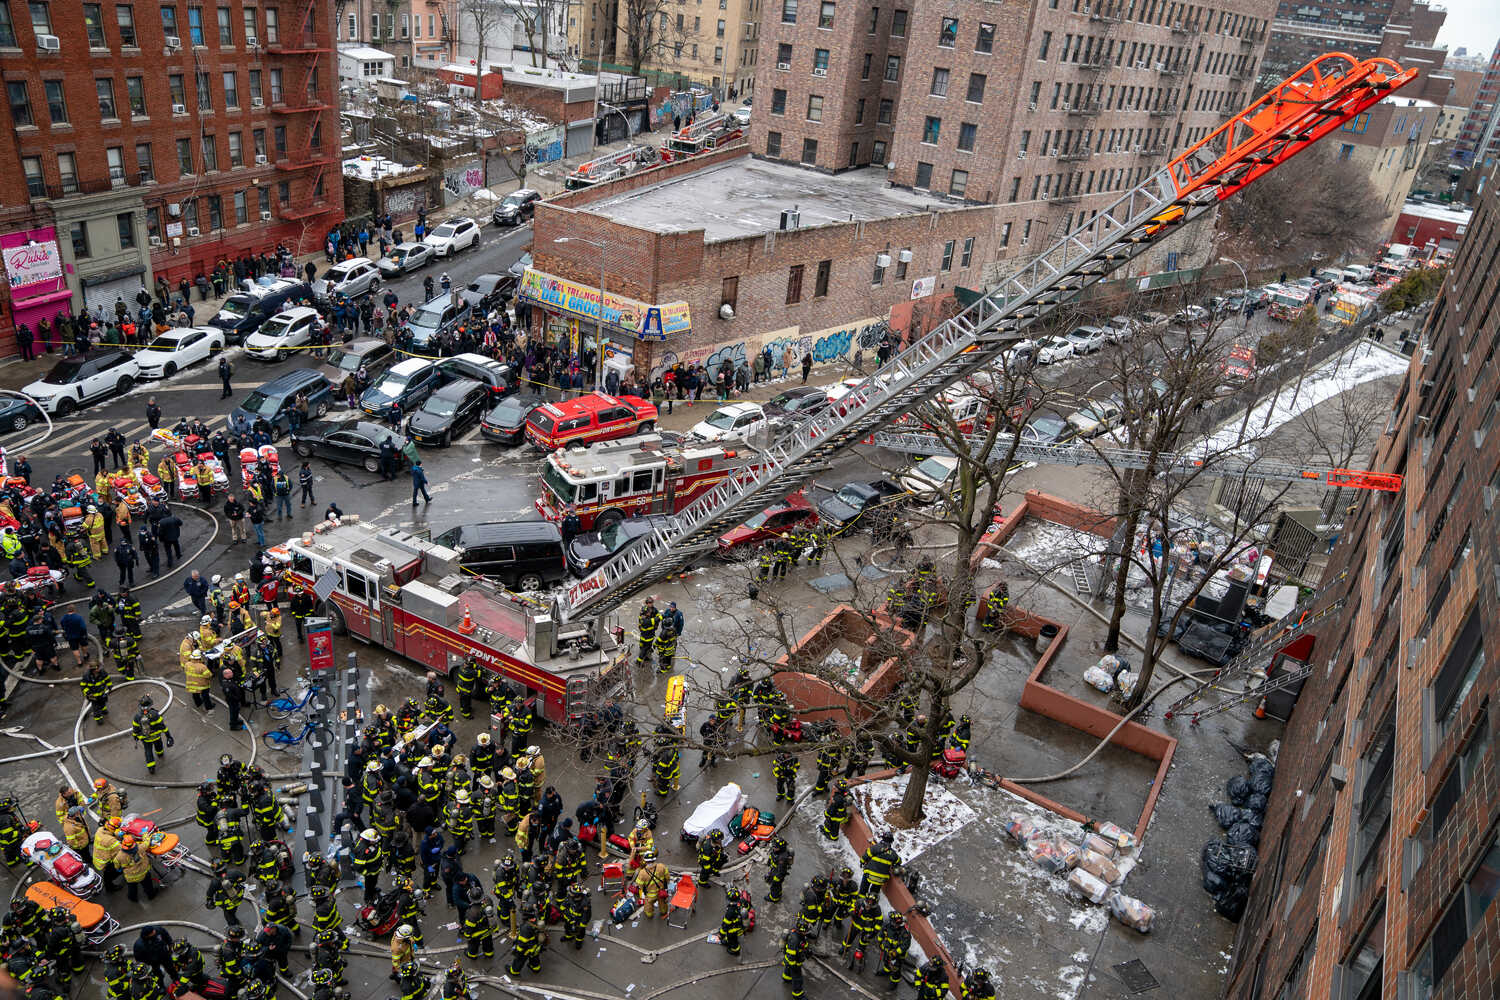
[[842, 892], [507, 876], [646, 625], [780, 866], [466, 683], [765, 560], [895, 941], [836, 813], [125, 651], [577, 910], [877, 864], [528, 949], [150, 730], [96, 684], [328, 953], [326, 913], [368, 859], [994, 606], [409, 908], [711, 856], [932, 980], [785, 769], [962, 733], [188, 960], [864, 925], [76, 555], [666, 767], [814, 903], [479, 932], [403, 949], [733, 924], [793, 954], [413, 984], [231, 959], [977, 985], [117, 964], [75, 828], [827, 762], [458, 819], [281, 908], [485, 803], [203, 813], [666, 646]]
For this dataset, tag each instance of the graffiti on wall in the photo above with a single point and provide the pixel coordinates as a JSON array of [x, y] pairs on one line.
[[464, 180], [825, 346], [403, 202]]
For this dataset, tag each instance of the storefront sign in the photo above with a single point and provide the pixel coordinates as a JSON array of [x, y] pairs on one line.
[[32, 263], [640, 320]]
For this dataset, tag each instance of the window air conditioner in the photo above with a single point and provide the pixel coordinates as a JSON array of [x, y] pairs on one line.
[[257, 102], [882, 260], [904, 256], [260, 159], [154, 241], [174, 43], [1031, 106], [265, 217], [783, 65], [192, 231], [48, 43], [179, 109], [1021, 155], [251, 42]]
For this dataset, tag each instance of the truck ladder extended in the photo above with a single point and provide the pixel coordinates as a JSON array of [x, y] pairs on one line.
[[1080, 453], [1286, 680], [591, 169], [1321, 97]]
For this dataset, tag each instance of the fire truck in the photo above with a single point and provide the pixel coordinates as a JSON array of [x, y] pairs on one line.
[[706, 133], [613, 480], [612, 166], [408, 595]]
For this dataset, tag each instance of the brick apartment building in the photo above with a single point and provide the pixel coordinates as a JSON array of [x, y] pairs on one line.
[[1404, 30], [1387, 143], [380, 24], [155, 139], [1478, 141], [1379, 865], [1049, 109]]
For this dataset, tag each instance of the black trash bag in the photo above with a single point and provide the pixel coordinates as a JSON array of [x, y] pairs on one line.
[[1238, 789], [1230, 904], [1226, 815], [1255, 819], [1256, 804], [1229, 862], [1215, 874], [1243, 833], [1262, 771]]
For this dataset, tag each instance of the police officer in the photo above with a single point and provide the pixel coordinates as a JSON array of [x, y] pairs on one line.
[[733, 924], [150, 730], [785, 769], [646, 624]]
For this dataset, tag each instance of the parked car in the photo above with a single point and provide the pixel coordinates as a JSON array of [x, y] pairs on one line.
[[1190, 316], [586, 419], [349, 278], [176, 349], [517, 207], [497, 377], [841, 510], [1051, 350], [742, 115], [441, 315], [17, 414], [796, 402], [522, 555], [1119, 329], [282, 332], [448, 412], [796, 511], [83, 378], [405, 257], [592, 549], [518, 267], [506, 423], [930, 478], [452, 236], [1087, 339], [370, 353], [1151, 321], [1045, 428], [406, 383], [1020, 356], [352, 442], [244, 311], [1096, 417], [489, 291], [273, 401], [734, 421]]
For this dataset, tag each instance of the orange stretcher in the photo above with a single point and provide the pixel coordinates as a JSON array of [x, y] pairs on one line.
[[96, 923]]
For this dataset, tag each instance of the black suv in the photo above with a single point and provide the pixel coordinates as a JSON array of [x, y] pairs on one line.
[[522, 555], [448, 412], [517, 207]]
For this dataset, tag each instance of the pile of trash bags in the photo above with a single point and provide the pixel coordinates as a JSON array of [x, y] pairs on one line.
[[1229, 861]]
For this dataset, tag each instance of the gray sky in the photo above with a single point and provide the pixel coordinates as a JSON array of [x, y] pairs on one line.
[[1474, 24]]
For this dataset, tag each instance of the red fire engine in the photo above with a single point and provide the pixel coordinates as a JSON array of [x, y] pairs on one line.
[[614, 480], [407, 594], [708, 132]]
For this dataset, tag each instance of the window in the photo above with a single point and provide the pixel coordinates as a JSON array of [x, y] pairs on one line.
[[948, 33], [104, 88], [405, 26], [959, 183], [864, 70], [1459, 672], [1362, 978], [773, 143], [947, 264], [278, 140], [144, 163], [57, 104], [1015, 189], [241, 209], [720, 32], [7, 28], [898, 24], [778, 102], [67, 172], [195, 25], [135, 89], [178, 89], [901, 264], [264, 197], [78, 234], [283, 193], [315, 137], [820, 62], [36, 184], [273, 25], [1463, 917], [258, 140], [125, 21], [1373, 814], [236, 150], [874, 21], [939, 86], [932, 128], [924, 176], [125, 225], [169, 21], [788, 11], [1005, 233], [41, 17], [210, 153], [892, 69], [784, 55], [877, 152], [1041, 53], [809, 151], [256, 93], [814, 108], [184, 156], [231, 89], [853, 154], [93, 25], [20, 103], [859, 111], [976, 88], [114, 158], [883, 116], [226, 28], [877, 276], [249, 22], [968, 253], [825, 14], [729, 292], [794, 285], [820, 284], [985, 40], [276, 93], [968, 135], [1465, 771]]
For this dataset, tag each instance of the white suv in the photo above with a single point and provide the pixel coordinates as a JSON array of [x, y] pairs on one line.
[[83, 378], [349, 278], [453, 236], [285, 330]]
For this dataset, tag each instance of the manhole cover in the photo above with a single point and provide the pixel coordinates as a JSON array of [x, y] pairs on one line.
[[1138, 978]]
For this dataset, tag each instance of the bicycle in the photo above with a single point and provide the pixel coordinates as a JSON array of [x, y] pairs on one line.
[[286, 741], [314, 694]]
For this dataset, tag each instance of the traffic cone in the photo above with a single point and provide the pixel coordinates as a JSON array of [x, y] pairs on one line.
[[1260, 710], [467, 625]]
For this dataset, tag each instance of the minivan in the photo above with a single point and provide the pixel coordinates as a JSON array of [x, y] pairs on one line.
[[273, 400], [521, 555], [243, 312], [441, 315]]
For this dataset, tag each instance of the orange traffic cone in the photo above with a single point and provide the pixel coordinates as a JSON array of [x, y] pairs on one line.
[[467, 625], [1260, 710]]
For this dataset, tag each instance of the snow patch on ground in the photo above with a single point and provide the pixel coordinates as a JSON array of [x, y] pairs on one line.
[[1047, 545], [946, 814]]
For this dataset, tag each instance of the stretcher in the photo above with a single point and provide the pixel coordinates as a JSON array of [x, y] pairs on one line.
[[714, 814], [63, 865], [162, 845], [96, 923], [150, 486], [684, 902]]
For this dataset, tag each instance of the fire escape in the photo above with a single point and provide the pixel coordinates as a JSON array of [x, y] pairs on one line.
[[303, 53]]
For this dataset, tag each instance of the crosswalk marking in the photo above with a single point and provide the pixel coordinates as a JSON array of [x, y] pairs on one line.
[[75, 435]]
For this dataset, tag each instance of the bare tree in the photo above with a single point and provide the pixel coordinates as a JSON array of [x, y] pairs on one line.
[[645, 31], [486, 16], [534, 18]]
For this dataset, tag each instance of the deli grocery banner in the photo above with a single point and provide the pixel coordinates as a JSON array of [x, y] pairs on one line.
[[32, 262], [640, 320]]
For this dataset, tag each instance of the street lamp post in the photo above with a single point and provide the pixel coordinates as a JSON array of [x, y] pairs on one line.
[[1245, 290], [599, 319]]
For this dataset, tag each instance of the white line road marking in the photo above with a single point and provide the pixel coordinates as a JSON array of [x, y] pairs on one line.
[[469, 437]]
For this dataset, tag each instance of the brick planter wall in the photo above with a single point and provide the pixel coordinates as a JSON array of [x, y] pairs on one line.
[[815, 699]]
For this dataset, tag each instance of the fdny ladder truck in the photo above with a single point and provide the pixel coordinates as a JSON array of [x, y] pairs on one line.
[[612, 166], [408, 595], [706, 133]]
